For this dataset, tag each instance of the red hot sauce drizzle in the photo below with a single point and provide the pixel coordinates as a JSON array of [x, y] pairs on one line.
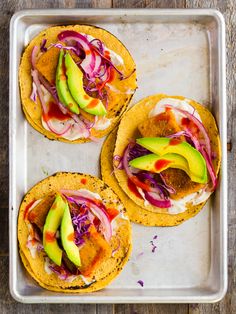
[[133, 188], [83, 181], [71, 236], [55, 113], [174, 141], [161, 164], [26, 212], [50, 236], [190, 125]]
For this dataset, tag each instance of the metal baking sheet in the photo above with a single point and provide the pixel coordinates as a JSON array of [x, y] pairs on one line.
[[178, 52]]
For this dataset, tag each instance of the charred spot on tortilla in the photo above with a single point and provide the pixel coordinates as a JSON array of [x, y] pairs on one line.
[[93, 236], [170, 196], [109, 79]]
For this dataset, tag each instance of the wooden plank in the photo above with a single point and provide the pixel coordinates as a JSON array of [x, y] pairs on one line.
[[151, 309], [105, 309], [148, 4], [228, 8]]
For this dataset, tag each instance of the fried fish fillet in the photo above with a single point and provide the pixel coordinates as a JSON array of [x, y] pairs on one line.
[[162, 125]]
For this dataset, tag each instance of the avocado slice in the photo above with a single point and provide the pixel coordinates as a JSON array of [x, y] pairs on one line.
[[74, 75], [156, 164], [62, 87], [163, 145], [67, 238], [52, 223]]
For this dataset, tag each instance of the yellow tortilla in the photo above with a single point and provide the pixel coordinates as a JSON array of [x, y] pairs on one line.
[[109, 269], [115, 145], [118, 102]]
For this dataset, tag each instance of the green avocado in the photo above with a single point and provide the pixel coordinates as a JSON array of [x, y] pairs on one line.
[[52, 223], [162, 146], [156, 164], [62, 87], [67, 238], [74, 75]]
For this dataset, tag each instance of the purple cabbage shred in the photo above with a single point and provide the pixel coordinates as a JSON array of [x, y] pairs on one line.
[[81, 227], [42, 47], [137, 151], [140, 282]]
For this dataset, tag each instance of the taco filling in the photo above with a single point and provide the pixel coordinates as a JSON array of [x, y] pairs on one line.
[[171, 163], [73, 230], [74, 79]]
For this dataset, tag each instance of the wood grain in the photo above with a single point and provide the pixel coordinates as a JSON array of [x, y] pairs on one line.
[[151, 309], [148, 4], [7, 304]]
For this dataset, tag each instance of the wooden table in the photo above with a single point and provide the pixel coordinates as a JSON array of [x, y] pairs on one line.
[[7, 304]]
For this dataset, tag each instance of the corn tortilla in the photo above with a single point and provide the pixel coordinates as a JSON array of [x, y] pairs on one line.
[[109, 269], [118, 102], [115, 145]]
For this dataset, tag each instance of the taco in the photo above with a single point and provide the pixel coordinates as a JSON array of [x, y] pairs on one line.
[[73, 233], [165, 159], [75, 82]]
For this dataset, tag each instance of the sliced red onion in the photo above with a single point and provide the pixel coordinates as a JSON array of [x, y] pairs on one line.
[[119, 159], [110, 63], [155, 200], [98, 43], [198, 124], [88, 124], [88, 63], [201, 148], [210, 168], [116, 249], [81, 128], [34, 55], [60, 46], [39, 79], [97, 65], [33, 95], [104, 75]]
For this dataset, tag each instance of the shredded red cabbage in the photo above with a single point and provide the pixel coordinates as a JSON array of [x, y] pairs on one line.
[[136, 151], [61, 271], [148, 178], [141, 282], [154, 247], [97, 209], [81, 226], [43, 44]]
